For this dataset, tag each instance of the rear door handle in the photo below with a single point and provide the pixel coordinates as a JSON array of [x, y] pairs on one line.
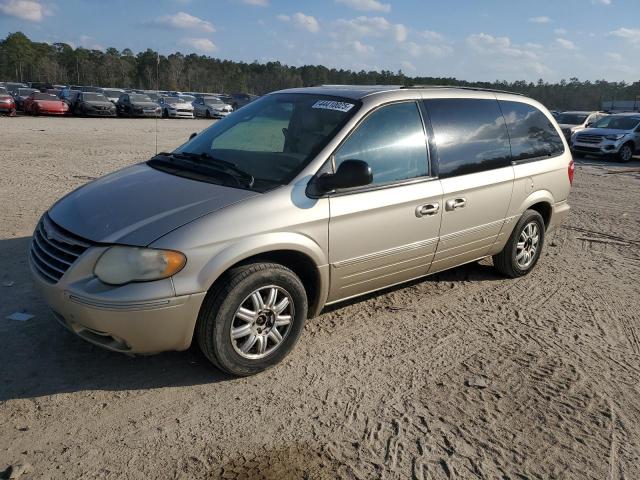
[[428, 209], [455, 203]]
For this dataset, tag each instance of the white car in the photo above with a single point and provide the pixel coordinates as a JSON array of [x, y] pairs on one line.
[[572, 122], [175, 107], [211, 107]]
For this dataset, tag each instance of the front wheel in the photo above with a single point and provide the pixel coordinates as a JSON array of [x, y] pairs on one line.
[[626, 153], [523, 249], [252, 318]]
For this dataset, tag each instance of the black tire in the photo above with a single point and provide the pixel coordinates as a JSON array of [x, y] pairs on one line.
[[217, 314], [505, 261], [625, 154]]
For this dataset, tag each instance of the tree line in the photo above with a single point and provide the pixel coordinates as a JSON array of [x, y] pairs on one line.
[[59, 63]]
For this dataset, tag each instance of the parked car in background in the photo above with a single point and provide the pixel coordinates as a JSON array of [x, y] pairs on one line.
[[615, 136], [42, 86], [175, 107], [7, 103], [248, 229], [21, 95], [87, 88], [185, 97], [69, 96], [44, 104], [137, 105], [113, 94], [13, 87], [155, 96], [239, 100], [94, 105], [211, 107], [571, 122]]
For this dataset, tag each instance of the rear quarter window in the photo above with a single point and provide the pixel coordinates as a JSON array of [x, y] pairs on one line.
[[531, 133], [470, 135]]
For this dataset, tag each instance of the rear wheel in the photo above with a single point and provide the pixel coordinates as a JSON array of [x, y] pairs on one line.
[[252, 318], [523, 249], [625, 154]]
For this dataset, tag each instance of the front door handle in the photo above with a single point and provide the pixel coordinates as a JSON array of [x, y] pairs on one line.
[[428, 209], [455, 203]]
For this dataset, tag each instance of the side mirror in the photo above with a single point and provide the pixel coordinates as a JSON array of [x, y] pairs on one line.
[[588, 125], [350, 173], [192, 135]]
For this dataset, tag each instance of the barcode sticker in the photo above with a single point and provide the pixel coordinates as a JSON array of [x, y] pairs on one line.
[[333, 105]]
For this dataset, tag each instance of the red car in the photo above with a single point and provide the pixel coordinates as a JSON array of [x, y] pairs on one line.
[[7, 103], [44, 104]]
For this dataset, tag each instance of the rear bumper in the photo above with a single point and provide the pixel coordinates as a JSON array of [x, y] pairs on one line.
[[144, 319], [558, 215]]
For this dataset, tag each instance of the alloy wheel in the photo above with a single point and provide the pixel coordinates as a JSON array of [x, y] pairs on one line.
[[527, 245], [262, 322]]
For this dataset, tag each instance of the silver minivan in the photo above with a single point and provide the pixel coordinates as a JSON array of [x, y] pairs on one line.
[[304, 198]]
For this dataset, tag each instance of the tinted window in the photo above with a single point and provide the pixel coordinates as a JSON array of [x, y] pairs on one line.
[[470, 135], [392, 141], [532, 134]]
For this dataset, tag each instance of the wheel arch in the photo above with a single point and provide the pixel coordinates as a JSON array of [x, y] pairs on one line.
[[542, 202], [304, 257]]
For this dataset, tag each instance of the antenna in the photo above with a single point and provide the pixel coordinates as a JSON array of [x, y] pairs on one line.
[[157, 90]]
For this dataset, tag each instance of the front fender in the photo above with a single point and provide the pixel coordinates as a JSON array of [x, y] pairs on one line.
[[205, 264], [249, 247]]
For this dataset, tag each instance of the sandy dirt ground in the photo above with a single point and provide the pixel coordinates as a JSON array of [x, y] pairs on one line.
[[462, 375]]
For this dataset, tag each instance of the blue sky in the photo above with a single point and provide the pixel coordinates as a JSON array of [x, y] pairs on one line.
[[467, 39]]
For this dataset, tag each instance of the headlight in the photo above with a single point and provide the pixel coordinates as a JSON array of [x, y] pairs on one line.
[[616, 136], [119, 264]]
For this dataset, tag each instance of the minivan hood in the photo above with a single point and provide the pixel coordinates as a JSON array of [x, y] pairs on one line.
[[604, 131], [139, 204]]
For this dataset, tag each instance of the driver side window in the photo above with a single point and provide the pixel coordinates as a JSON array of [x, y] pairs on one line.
[[392, 141]]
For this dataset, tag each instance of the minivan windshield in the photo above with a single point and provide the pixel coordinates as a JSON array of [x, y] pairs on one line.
[[617, 122], [571, 118], [270, 140]]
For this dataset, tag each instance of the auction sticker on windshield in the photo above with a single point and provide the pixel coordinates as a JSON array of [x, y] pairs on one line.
[[333, 105]]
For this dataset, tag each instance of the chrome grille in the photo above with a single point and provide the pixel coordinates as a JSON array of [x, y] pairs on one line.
[[53, 250], [588, 138]]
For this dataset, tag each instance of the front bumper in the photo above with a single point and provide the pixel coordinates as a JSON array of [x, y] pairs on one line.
[[142, 318], [602, 149], [146, 114], [101, 113], [179, 114]]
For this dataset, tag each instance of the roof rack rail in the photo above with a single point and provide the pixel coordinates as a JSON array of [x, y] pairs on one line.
[[478, 89]]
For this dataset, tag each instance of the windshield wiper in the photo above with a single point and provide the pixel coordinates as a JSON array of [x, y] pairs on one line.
[[206, 163]]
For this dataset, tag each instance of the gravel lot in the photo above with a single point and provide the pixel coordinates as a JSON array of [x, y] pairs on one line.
[[462, 375]]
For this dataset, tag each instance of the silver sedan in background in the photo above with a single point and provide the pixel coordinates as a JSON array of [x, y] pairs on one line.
[[211, 107], [175, 107]]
